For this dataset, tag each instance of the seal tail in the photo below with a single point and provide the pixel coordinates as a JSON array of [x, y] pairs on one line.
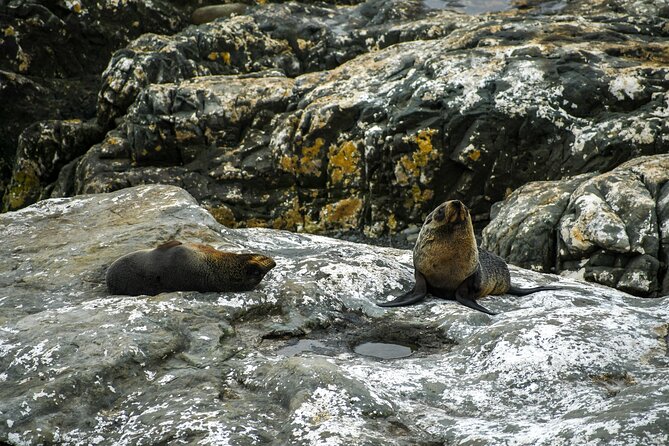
[[517, 291], [417, 294]]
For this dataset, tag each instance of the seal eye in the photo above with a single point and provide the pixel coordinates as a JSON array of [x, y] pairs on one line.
[[254, 271]]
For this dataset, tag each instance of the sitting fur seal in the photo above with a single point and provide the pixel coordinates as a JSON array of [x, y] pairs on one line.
[[175, 266], [448, 263]]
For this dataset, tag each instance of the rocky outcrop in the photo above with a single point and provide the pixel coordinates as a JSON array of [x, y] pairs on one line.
[[608, 228], [386, 108], [298, 360], [373, 144], [51, 57]]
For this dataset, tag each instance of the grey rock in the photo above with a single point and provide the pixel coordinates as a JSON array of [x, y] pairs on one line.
[[609, 228], [522, 227], [581, 365], [43, 150]]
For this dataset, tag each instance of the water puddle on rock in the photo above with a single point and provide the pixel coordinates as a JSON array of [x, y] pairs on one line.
[[470, 6], [301, 346], [382, 350]]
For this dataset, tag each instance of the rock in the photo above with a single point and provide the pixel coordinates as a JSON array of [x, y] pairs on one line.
[[522, 227], [278, 365], [44, 149], [607, 227], [472, 109], [52, 54]]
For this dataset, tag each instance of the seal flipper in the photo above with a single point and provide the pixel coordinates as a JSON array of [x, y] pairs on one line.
[[516, 291], [466, 292], [471, 303], [415, 295]]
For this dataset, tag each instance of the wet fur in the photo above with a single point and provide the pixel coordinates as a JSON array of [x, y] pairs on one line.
[[175, 266], [449, 264]]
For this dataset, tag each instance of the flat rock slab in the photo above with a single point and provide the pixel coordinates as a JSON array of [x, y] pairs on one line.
[[278, 365]]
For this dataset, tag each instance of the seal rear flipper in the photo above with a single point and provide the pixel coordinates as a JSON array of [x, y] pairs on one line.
[[517, 291], [417, 294]]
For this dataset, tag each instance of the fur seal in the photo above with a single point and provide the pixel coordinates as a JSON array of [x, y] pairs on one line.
[[210, 13], [175, 266], [449, 264]]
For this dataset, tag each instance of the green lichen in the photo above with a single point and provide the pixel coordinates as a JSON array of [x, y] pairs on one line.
[[24, 189]]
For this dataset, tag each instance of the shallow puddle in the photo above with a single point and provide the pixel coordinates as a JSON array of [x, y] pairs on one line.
[[470, 6], [301, 346], [382, 350]]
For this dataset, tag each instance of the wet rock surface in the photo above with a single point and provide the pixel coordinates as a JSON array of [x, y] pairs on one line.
[[580, 365], [607, 228], [387, 108]]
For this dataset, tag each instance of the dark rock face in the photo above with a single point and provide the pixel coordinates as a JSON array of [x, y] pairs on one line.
[[608, 228], [51, 57], [386, 109], [278, 365]]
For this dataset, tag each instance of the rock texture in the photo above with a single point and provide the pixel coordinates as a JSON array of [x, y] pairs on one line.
[[51, 57], [610, 228], [378, 111], [277, 365]]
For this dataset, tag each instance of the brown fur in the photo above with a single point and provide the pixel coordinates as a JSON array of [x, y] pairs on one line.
[[175, 266], [446, 252]]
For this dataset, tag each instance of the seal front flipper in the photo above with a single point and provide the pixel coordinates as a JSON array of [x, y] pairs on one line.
[[415, 295], [470, 288], [471, 303]]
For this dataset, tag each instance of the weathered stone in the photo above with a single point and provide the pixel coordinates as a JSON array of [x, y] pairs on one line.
[[52, 53], [278, 365], [44, 148], [610, 227], [485, 105], [522, 228]]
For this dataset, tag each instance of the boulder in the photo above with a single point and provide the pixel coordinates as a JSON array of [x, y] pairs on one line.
[[472, 109], [51, 57], [609, 228], [307, 357]]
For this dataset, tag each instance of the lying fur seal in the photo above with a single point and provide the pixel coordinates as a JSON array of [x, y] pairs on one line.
[[448, 263], [175, 266]]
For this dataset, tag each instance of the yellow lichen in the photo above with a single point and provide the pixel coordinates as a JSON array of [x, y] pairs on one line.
[[24, 60], [292, 219], [343, 214], [212, 56], [474, 155], [410, 165], [310, 163], [223, 215], [158, 148], [225, 56], [10, 31], [418, 195], [256, 223], [76, 7], [302, 44], [392, 222], [343, 161], [288, 163], [25, 183]]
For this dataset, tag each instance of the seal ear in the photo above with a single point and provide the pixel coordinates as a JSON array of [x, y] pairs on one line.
[[170, 244]]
